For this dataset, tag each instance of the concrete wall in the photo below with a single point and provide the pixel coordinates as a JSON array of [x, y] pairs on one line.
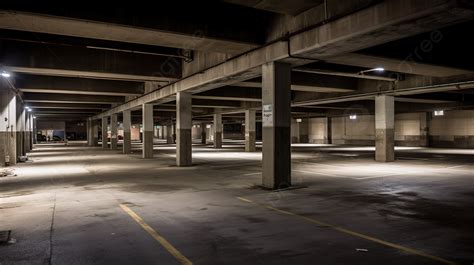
[[8, 129], [411, 129], [354, 132], [318, 131], [454, 129]]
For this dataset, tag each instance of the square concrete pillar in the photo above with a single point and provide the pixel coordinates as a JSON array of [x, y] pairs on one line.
[[95, 133], [89, 132], [217, 123], [113, 132], [147, 113], [127, 135], [104, 133], [20, 125], [183, 129], [203, 133], [384, 128], [424, 129], [35, 131], [276, 122], [250, 134], [27, 133], [8, 110]]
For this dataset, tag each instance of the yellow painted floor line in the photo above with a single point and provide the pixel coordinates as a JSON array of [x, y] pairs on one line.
[[352, 233], [172, 250]]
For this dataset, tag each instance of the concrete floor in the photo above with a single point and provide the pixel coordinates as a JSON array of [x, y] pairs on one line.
[[63, 207]]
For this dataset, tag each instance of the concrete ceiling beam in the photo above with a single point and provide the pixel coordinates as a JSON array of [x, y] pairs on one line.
[[67, 26], [69, 85], [67, 98], [388, 21]]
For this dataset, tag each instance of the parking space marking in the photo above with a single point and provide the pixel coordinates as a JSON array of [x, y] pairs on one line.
[[352, 233], [167, 245]]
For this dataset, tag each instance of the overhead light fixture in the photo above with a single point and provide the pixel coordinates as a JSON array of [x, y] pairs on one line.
[[299, 120], [439, 113], [29, 109], [377, 69], [353, 117], [5, 74], [34, 117]]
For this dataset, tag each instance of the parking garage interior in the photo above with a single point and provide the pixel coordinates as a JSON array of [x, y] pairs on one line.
[[237, 132]]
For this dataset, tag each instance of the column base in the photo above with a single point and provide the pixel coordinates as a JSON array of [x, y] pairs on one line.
[[384, 145], [217, 140], [147, 151], [184, 148], [127, 143], [250, 142]]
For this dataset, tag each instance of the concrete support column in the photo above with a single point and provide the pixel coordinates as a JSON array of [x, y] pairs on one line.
[[127, 135], [7, 125], [184, 123], [20, 125], [217, 117], [303, 130], [203, 133], [8, 110], [95, 132], [90, 136], [424, 129], [32, 131], [35, 131], [384, 128], [27, 133], [329, 130], [169, 134], [113, 132], [147, 112], [250, 135], [276, 122], [104, 133]]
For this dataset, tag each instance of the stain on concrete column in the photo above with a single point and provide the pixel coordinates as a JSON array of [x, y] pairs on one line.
[[250, 134], [113, 132], [217, 130], [127, 135], [384, 128], [104, 133], [276, 122], [183, 129], [147, 149]]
